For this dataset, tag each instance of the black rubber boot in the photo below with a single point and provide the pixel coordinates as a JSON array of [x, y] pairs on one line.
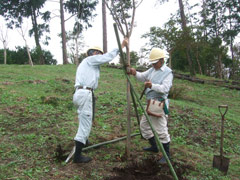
[[78, 158], [88, 143], [153, 144], [166, 147]]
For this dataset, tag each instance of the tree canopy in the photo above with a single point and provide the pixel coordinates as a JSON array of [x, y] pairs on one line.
[[211, 37]]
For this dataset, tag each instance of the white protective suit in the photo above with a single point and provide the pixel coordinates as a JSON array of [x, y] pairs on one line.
[[87, 75]]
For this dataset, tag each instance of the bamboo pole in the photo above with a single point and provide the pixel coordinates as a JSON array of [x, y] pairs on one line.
[[98, 145], [136, 110], [109, 142], [128, 142], [159, 144]]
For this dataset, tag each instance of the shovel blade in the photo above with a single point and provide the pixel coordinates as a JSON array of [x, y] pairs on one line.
[[221, 163]]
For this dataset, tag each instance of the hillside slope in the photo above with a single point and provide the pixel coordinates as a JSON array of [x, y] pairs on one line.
[[38, 122]]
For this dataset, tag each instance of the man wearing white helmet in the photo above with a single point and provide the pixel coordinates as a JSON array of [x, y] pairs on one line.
[[86, 82], [157, 81]]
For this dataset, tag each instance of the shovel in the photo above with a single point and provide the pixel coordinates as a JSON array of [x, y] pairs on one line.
[[143, 93], [221, 162]]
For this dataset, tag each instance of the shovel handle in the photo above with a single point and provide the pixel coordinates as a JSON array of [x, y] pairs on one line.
[[143, 93], [221, 107], [222, 127]]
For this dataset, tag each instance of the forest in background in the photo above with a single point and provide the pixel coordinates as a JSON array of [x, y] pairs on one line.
[[203, 42]]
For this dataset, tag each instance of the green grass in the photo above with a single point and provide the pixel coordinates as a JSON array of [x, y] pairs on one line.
[[37, 115]]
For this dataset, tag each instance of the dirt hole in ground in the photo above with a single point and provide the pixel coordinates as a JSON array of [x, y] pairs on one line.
[[150, 170]]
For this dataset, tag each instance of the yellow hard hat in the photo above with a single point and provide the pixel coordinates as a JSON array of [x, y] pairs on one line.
[[155, 55], [95, 48]]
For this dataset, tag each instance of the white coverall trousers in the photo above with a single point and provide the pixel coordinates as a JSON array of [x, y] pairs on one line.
[[82, 99], [160, 126]]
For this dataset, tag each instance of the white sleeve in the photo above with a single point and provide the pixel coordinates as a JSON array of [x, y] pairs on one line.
[[101, 59], [143, 76], [165, 86]]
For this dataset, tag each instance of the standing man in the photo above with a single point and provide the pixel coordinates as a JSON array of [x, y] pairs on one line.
[[87, 75], [158, 81]]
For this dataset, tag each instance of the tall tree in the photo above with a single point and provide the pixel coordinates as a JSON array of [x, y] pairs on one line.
[[63, 34], [215, 27], [22, 33], [221, 20], [4, 39], [123, 13], [15, 10], [104, 23], [232, 19], [82, 10], [196, 34], [186, 36], [236, 54], [168, 37], [76, 45]]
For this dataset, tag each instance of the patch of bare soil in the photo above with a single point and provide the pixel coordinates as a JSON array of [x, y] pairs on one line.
[[148, 169], [137, 167]]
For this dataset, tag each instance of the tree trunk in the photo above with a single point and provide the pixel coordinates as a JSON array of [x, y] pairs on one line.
[[4, 40], [209, 70], [28, 52], [5, 55], [205, 42], [119, 17], [233, 71], [63, 34], [29, 56], [170, 50], [199, 66], [36, 36], [104, 21], [186, 37], [27, 48], [170, 60], [219, 70], [128, 106], [76, 52], [198, 62], [233, 60]]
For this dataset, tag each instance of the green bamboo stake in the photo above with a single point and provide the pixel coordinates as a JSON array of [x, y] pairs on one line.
[[98, 145], [136, 110], [109, 142], [159, 144]]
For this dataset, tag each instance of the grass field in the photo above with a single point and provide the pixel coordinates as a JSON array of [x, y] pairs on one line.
[[38, 122]]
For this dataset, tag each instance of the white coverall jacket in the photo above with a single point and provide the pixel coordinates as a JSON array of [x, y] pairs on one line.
[[87, 75]]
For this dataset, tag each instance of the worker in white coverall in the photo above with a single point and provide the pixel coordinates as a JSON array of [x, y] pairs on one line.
[[87, 75], [158, 81]]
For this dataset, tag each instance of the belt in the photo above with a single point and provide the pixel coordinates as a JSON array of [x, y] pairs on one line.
[[84, 87]]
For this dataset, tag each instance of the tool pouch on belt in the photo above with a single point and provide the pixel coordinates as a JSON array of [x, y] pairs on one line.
[[155, 108]]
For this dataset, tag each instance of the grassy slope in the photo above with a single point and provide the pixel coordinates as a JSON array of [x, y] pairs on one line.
[[37, 117]]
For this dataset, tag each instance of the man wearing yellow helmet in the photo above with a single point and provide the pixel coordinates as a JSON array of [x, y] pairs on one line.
[[94, 51], [86, 82], [157, 81]]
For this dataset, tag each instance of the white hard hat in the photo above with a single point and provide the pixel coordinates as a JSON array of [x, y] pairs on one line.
[[155, 55], [95, 48]]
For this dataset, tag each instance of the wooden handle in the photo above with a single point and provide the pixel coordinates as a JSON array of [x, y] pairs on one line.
[[223, 106], [226, 109]]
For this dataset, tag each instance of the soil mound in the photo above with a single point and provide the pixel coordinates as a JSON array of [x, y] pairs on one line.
[[149, 169]]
